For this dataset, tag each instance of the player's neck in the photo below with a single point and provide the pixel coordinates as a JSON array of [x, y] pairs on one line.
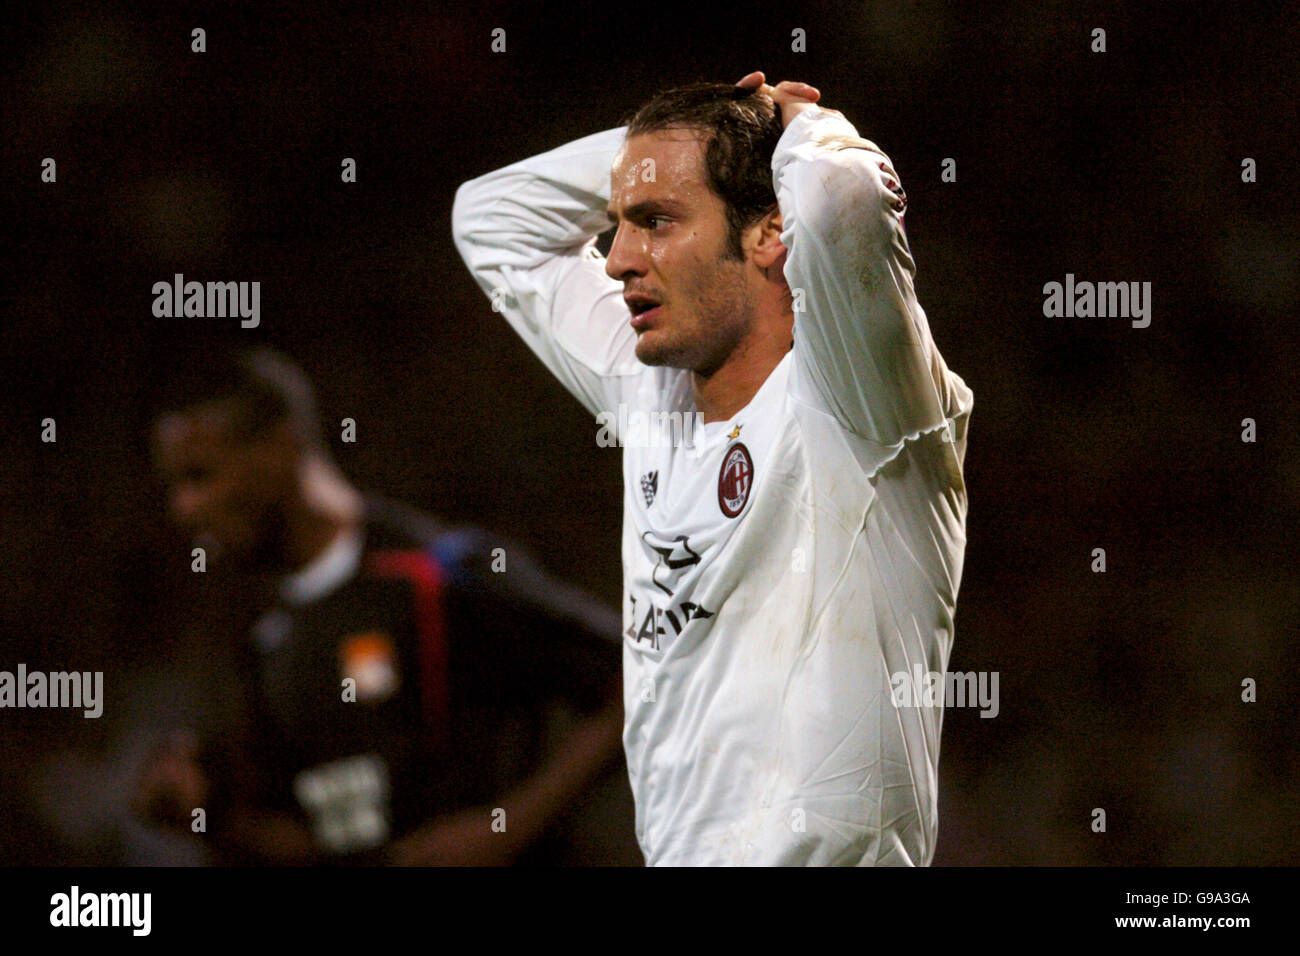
[[733, 386], [310, 533], [319, 513]]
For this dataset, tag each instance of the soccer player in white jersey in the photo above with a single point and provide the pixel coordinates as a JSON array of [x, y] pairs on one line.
[[791, 558]]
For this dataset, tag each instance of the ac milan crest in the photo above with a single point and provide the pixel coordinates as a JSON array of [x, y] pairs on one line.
[[735, 480]]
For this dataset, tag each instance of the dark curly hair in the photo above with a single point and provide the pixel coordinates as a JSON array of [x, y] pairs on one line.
[[262, 386], [742, 129]]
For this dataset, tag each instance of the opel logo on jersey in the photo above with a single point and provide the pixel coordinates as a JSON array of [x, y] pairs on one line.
[[735, 480]]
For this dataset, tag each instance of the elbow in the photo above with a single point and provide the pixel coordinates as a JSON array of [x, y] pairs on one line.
[[857, 191], [465, 213]]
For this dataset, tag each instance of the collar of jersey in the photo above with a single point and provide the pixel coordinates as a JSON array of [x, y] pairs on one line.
[[724, 425], [325, 572]]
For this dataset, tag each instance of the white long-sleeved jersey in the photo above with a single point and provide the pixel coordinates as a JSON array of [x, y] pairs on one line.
[[784, 565]]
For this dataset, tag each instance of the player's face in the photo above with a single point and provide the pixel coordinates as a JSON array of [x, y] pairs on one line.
[[222, 490], [689, 302]]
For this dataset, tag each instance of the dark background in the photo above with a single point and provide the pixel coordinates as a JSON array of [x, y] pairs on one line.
[[1119, 690]]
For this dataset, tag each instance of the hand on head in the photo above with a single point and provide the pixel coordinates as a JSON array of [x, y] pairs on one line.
[[791, 97]]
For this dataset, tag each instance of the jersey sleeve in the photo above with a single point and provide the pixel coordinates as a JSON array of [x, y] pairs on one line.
[[527, 233], [862, 344]]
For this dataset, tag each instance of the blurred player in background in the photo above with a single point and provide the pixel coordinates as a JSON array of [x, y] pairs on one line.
[[388, 703], [782, 566]]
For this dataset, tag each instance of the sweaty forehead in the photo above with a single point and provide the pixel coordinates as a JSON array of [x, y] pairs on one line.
[[670, 159]]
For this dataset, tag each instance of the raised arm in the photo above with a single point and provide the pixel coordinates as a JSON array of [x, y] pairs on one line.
[[863, 349], [527, 233]]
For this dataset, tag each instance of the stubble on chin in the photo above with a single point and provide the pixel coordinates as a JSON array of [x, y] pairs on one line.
[[649, 351], [724, 316]]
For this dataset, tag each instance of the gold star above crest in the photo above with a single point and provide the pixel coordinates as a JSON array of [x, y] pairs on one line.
[[735, 433]]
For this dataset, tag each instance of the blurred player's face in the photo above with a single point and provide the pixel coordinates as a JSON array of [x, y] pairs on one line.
[[223, 490], [690, 303]]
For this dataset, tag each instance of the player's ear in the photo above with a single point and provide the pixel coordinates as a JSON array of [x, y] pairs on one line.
[[768, 248]]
